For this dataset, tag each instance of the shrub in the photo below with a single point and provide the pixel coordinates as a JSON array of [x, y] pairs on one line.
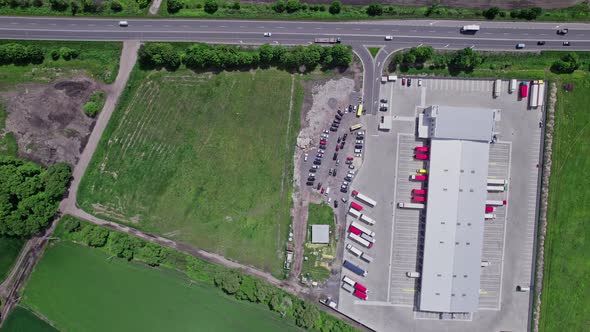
[[54, 54], [142, 3], [116, 6], [236, 5], [335, 7], [567, 64], [59, 5], [71, 225], [293, 6], [174, 6], [211, 6], [375, 9], [37, 3], [91, 109], [491, 13], [158, 55], [69, 53], [279, 6]]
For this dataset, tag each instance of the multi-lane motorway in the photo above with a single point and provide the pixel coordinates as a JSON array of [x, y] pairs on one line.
[[406, 33]]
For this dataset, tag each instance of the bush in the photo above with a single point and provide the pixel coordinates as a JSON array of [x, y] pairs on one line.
[[69, 53], [236, 5], [59, 5], [142, 3], [91, 109], [211, 6], [71, 225], [18, 54], [116, 6], [229, 282], [375, 9], [37, 3], [335, 7], [567, 64], [279, 6], [466, 59], [491, 13], [293, 6], [55, 54], [158, 55], [174, 6]]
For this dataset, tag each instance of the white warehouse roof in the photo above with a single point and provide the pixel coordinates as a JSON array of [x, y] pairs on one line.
[[454, 226], [465, 123]]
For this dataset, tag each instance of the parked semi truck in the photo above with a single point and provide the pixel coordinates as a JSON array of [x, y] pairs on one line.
[[534, 95], [490, 216], [419, 177], [495, 188], [367, 220], [512, 87], [410, 205], [497, 88], [358, 239], [356, 206], [541, 94], [495, 202], [362, 228], [356, 251], [366, 257], [363, 198], [333, 40], [497, 182], [354, 268], [354, 213]]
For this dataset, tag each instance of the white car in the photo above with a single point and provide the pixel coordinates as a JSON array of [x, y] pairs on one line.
[[305, 157], [358, 155], [325, 131], [357, 150], [388, 37], [420, 82], [267, 34], [359, 141], [315, 166], [123, 23]]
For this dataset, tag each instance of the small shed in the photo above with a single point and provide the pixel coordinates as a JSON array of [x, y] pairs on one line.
[[320, 234]]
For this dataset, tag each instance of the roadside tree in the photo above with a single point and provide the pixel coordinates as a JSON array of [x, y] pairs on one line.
[[335, 7]]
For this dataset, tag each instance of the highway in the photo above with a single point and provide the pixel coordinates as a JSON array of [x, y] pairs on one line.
[[495, 36]]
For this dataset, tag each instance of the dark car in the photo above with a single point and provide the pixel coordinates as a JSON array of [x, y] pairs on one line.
[[319, 186], [317, 162], [409, 82], [336, 124], [313, 170], [323, 147], [333, 128], [336, 121], [335, 203], [339, 139], [335, 156], [338, 117], [342, 145], [311, 178], [541, 42], [334, 172], [361, 137], [563, 31], [344, 137], [384, 100], [340, 113], [566, 43], [343, 190], [358, 146], [309, 183]]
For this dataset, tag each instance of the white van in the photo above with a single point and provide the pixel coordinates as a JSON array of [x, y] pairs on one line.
[[349, 281], [123, 23], [520, 46], [523, 288], [413, 274], [485, 263], [388, 37]]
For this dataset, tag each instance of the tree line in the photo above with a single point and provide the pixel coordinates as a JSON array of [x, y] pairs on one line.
[[462, 60], [232, 282], [20, 55], [29, 195], [75, 6], [205, 56]]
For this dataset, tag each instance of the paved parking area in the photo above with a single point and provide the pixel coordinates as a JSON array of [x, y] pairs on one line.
[[508, 239]]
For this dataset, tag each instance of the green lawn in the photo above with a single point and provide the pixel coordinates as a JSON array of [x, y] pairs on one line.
[[23, 320], [81, 289], [128, 8], [319, 256], [374, 51], [201, 158], [99, 60], [566, 294], [9, 249]]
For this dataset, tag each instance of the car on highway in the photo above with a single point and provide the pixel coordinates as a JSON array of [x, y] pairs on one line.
[[520, 46], [388, 37], [541, 42], [267, 34], [566, 43], [123, 23], [563, 31]]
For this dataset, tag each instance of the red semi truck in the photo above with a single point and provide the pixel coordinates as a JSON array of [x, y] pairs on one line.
[[356, 206]]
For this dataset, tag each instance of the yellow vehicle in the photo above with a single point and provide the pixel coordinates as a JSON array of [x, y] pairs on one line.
[[356, 127], [421, 171], [359, 111]]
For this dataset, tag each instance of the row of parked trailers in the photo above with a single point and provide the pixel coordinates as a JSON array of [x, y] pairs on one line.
[[537, 97], [535, 91]]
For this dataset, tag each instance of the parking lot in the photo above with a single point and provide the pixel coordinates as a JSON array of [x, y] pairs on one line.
[[508, 239]]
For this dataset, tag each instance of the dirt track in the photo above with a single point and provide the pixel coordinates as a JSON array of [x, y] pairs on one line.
[[474, 4]]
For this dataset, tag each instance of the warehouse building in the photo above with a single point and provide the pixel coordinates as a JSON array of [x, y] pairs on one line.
[[459, 154]]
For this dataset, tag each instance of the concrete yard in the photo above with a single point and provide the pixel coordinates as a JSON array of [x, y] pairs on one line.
[[508, 243]]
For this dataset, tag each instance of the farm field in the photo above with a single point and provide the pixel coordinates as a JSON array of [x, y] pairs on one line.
[[9, 249], [128, 296], [23, 320], [201, 158], [565, 300]]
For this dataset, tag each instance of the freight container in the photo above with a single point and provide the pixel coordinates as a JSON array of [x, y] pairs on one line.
[[347, 287], [410, 205], [368, 220], [362, 228], [349, 281], [360, 240], [365, 199], [356, 206], [366, 257], [354, 268], [360, 295], [354, 213], [357, 252]]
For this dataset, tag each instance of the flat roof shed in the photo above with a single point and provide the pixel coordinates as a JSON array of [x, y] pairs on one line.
[[320, 234]]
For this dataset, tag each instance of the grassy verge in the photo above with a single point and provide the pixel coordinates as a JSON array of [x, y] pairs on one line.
[[316, 264], [44, 8], [9, 249], [195, 8], [374, 51], [99, 60], [201, 158], [23, 320], [8, 144], [565, 300], [505, 65]]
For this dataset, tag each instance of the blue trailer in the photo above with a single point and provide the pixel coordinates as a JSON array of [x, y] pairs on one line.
[[355, 268]]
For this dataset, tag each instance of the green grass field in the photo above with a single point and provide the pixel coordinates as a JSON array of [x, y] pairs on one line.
[[316, 267], [201, 158], [23, 320], [99, 60], [565, 299], [80, 289], [9, 249]]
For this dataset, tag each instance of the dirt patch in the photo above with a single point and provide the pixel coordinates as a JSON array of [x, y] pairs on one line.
[[48, 120], [474, 4], [108, 212]]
